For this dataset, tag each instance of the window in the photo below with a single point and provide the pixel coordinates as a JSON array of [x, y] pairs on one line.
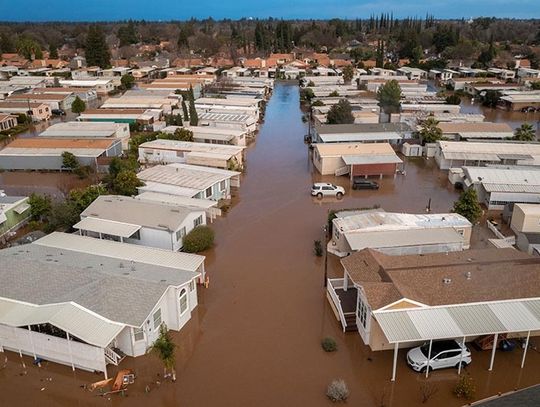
[[362, 312], [222, 185], [191, 285], [460, 231], [180, 154], [138, 334], [183, 301], [180, 234], [136, 235], [197, 221], [208, 192], [157, 319]]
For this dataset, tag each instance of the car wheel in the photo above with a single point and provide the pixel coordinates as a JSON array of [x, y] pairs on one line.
[[423, 370], [319, 195], [463, 365], [339, 195]]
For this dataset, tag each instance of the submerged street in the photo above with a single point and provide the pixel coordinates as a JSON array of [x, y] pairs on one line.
[[254, 339]]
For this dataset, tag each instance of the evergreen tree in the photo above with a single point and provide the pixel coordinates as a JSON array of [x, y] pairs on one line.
[[185, 110], [340, 113], [6, 44], [127, 34], [78, 105], [193, 117], [389, 96], [468, 206], [96, 49], [127, 81], [53, 51]]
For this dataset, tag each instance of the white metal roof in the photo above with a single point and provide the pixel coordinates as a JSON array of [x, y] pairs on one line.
[[457, 321], [69, 317], [124, 251], [371, 159], [355, 137], [108, 227]]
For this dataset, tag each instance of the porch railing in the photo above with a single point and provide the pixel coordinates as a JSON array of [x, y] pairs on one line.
[[333, 284], [112, 356]]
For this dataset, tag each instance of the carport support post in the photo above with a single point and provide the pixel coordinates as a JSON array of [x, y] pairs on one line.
[[461, 358], [70, 353], [495, 340], [525, 350], [429, 357], [394, 366]]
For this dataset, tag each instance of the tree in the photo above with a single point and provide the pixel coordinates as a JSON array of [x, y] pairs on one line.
[[525, 132], [96, 48], [69, 161], [307, 94], [430, 131], [193, 117], [164, 348], [348, 73], [453, 100], [185, 110], [334, 94], [28, 48], [174, 120], [340, 113], [6, 44], [183, 135], [468, 206], [127, 81], [81, 198], [40, 206], [78, 105], [127, 34], [491, 98], [53, 51], [389, 96], [198, 239], [535, 85], [126, 183]]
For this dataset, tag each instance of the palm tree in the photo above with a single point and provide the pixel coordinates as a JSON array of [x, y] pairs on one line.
[[525, 133], [163, 348]]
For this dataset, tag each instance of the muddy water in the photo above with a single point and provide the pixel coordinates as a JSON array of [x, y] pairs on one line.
[[254, 339], [55, 184]]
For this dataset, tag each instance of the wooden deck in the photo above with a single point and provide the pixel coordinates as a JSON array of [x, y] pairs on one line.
[[348, 299]]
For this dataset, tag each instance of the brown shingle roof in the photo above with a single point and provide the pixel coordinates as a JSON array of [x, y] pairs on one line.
[[481, 127], [41, 142], [495, 274]]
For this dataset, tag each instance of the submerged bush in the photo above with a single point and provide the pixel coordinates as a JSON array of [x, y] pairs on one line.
[[199, 239], [337, 390], [329, 344], [317, 248], [465, 387]]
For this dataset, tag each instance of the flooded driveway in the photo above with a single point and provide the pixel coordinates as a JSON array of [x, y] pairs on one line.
[[254, 339]]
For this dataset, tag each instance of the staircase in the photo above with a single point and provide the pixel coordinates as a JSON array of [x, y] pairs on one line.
[[342, 171], [114, 356], [350, 319]]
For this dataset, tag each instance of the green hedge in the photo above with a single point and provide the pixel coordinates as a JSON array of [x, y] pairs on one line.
[[199, 239]]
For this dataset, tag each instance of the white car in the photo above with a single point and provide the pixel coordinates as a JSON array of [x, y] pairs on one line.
[[321, 189], [444, 354]]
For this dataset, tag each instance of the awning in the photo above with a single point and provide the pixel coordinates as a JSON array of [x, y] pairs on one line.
[[20, 209], [458, 321], [71, 318], [108, 227], [371, 159]]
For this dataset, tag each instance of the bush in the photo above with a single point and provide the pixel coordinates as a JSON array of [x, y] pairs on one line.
[[465, 388], [337, 390], [329, 344], [317, 248], [199, 239]]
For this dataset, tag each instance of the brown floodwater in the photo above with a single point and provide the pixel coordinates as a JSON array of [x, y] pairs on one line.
[[254, 339], [55, 184]]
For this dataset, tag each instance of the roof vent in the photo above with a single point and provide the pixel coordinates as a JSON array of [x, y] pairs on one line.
[[446, 280], [121, 265], [468, 275], [132, 265], [469, 260]]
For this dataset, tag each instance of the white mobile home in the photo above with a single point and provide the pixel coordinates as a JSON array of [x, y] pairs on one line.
[[89, 131], [87, 303], [130, 220], [190, 181]]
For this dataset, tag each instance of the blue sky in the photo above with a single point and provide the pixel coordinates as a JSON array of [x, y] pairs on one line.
[[91, 10]]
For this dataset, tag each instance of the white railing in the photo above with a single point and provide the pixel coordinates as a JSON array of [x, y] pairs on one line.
[[112, 356], [331, 286], [510, 239]]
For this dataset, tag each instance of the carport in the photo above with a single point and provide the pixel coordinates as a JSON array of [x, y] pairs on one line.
[[459, 322]]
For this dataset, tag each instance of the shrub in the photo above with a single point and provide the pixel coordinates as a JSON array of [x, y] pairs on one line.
[[465, 388], [317, 248], [199, 239], [329, 344], [337, 390]]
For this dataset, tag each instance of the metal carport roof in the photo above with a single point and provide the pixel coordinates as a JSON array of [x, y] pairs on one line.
[[108, 227], [458, 321]]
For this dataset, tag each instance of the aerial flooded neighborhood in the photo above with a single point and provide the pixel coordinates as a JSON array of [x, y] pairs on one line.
[[339, 204]]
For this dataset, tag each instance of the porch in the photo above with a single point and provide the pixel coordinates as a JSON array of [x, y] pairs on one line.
[[343, 300]]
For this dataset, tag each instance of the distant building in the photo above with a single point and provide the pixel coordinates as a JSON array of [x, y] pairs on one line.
[[81, 130], [7, 121], [36, 111]]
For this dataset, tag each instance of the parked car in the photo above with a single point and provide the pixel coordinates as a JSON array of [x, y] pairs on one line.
[[321, 189], [361, 183], [58, 112], [444, 354]]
